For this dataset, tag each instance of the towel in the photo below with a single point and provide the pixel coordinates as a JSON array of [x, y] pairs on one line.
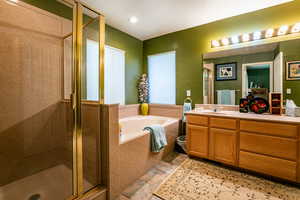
[[226, 97], [186, 108], [158, 137]]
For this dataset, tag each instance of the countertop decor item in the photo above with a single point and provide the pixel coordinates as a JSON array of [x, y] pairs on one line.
[[259, 105], [244, 105], [143, 93], [226, 71], [276, 103]]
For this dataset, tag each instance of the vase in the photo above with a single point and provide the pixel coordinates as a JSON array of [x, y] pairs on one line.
[[144, 108]]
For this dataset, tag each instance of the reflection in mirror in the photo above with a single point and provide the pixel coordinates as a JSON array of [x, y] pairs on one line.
[[230, 75]]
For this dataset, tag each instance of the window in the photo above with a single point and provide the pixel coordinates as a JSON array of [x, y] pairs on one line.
[[162, 78], [92, 71], [114, 76]]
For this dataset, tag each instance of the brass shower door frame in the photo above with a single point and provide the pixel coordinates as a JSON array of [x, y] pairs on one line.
[[76, 101]]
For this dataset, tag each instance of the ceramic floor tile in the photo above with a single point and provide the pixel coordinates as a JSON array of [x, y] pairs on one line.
[[132, 189], [121, 197], [143, 188]]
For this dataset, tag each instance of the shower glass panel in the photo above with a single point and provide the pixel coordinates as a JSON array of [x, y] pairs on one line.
[[36, 148], [90, 108]]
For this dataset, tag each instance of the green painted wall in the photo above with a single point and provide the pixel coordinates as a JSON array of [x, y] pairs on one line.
[[115, 38], [241, 59], [190, 44], [291, 52], [133, 59]]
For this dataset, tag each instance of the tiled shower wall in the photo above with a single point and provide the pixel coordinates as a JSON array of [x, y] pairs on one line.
[[35, 124]]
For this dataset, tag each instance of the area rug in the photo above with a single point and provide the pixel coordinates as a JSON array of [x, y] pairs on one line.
[[200, 180]]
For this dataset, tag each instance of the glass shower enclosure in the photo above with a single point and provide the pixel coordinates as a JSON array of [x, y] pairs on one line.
[[49, 129]]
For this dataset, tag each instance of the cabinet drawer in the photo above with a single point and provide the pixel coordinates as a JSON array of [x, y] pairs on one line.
[[284, 130], [268, 165], [197, 119], [217, 122], [269, 145]]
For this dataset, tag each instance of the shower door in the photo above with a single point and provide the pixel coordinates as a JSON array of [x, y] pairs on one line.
[[49, 150]]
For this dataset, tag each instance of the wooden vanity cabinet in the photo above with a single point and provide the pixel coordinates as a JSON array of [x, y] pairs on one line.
[[213, 138], [266, 147], [198, 137], [223, 144]]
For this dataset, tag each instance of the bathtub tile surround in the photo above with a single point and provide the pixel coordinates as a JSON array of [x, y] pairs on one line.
[[174, 111], [196, 179], [129, 160], [129, 110]]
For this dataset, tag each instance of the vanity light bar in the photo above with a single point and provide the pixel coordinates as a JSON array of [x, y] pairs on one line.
[[257, 35]]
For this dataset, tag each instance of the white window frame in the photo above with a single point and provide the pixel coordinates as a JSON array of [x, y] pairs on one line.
[[173, 99]]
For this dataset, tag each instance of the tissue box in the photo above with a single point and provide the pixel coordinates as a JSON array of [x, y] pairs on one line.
[[297, 112]]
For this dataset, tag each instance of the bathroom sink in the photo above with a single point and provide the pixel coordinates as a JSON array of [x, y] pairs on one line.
[[223, 112]]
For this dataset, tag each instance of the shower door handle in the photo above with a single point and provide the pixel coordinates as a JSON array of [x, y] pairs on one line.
[[73, 104]]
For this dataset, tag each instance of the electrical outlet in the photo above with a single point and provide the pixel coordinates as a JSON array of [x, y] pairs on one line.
[[188, 93], [288, 91]]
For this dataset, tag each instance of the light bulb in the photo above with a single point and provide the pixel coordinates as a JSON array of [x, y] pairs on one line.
[[257, 35], [283, 30], [215, 43], [225, 41], [296, 28], [133, 19], [246, 37], [235, 39], [269, 33]]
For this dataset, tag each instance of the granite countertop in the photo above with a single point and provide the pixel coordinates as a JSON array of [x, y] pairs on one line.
[[249, 116]]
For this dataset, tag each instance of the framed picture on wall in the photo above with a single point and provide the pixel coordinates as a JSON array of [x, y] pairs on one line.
[[293, 70], [226, 71]]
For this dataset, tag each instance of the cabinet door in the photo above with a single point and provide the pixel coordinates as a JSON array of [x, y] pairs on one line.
[[223, 145], [197, 140]]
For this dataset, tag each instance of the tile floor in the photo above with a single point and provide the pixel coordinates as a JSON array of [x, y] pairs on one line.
[[143, 188]]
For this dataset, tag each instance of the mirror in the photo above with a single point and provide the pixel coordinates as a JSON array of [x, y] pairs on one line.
[[230, 75]]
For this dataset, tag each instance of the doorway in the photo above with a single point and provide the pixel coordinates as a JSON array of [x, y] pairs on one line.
[[257, 78], [208, 83]]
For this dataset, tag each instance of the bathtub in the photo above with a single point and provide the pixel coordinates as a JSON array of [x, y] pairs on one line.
[[134, 150], [132, 127]]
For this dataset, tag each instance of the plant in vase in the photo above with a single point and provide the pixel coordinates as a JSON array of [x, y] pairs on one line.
[[143, 93]]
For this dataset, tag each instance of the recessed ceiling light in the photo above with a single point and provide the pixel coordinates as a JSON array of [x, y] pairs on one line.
[[225, 41], [269, 33], [133, 19], [235, 39], [257, 35], [283, 30], [296, 28], [215, 43], [246, 37]]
